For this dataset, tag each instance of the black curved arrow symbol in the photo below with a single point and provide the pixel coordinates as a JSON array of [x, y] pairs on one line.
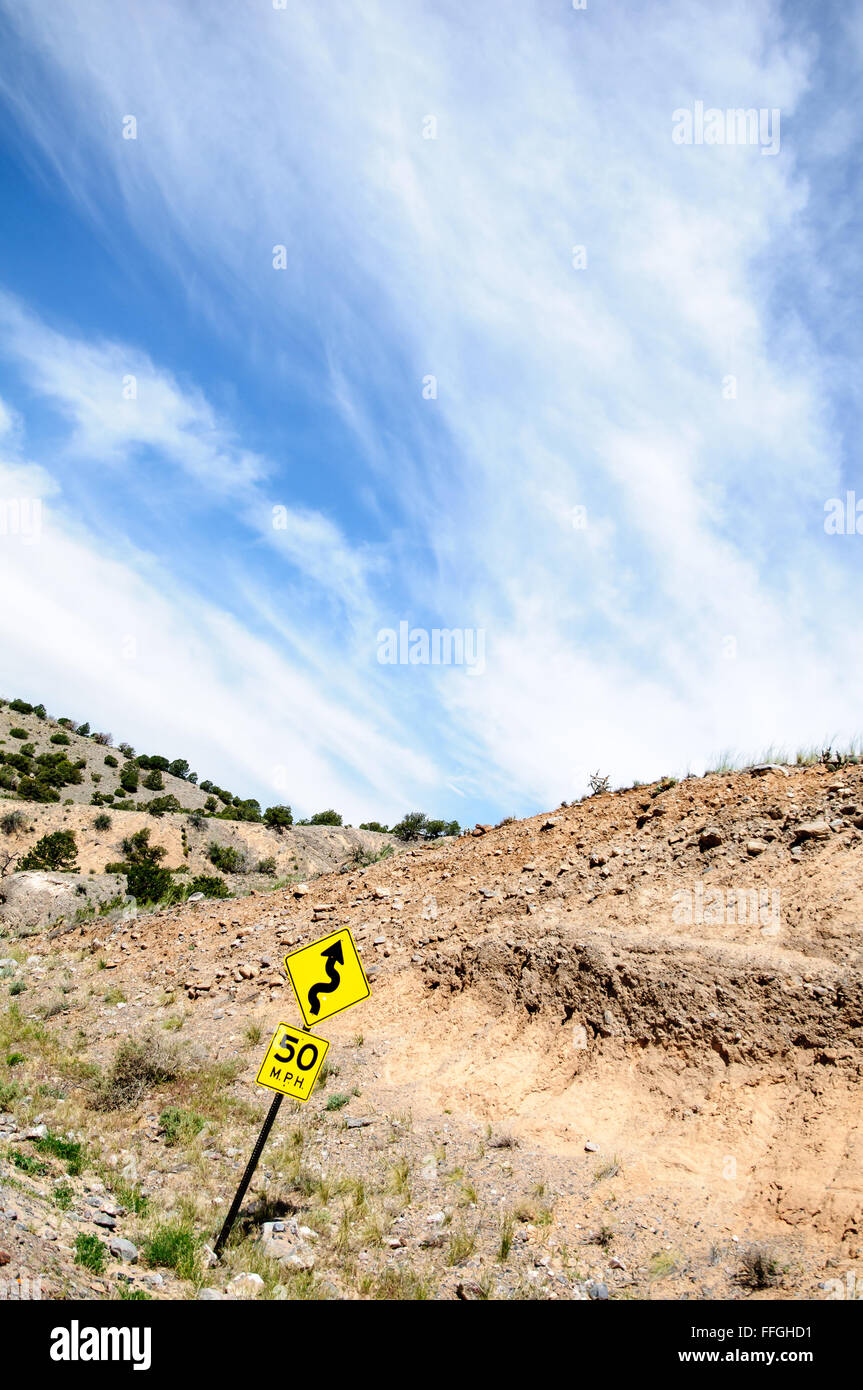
[[333, 956]]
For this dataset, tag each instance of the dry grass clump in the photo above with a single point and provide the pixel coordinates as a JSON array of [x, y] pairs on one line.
[[139, 1064], [758, 1268]]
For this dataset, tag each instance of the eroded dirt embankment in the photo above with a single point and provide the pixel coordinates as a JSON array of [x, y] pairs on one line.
[[653, 997]]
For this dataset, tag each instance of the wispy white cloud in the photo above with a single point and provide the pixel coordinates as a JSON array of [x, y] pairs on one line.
[[557, 386], [127, 647]]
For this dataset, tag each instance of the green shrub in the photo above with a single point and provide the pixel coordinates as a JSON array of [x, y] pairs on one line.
[[278, 817], [18, 733], [326, 818], [129, 777], [337, 1100], [154, 782], [60, 738], [158, 805], [70, 1150], [210, 885], [147, 883], [180, 1126], [130, 1195], [138, 850], [434, 829], [244, 810], [33, 789], [20, 707], [26, 1163], [374, 825], [412, 826], [102, 822], [417, 826], [22, 762], [145, 880], [267, 866], [51, 771], [90, 1252], [56, 851], [226, 858], [111, 761], [174, 1246], [12, 822], [154, 760]]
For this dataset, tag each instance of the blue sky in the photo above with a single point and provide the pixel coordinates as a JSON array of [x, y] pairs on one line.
[[702, 607]]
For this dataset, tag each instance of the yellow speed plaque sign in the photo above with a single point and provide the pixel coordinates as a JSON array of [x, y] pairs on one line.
[[292, 1062], [327, 977]]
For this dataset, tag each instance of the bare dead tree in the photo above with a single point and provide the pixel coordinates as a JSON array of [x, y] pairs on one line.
[[8, 862]]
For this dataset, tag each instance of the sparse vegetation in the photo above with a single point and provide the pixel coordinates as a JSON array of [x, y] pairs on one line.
[[56, 851], [758, 1268], [226, 858], [417, 826], [71, 1151], [139, 1065], [180, 1126], [90, 1252], [210, 885], [174, 1245], [337, 1101]]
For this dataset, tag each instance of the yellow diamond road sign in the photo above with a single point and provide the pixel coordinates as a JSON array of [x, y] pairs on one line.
[[327, 977], [293, 1061]]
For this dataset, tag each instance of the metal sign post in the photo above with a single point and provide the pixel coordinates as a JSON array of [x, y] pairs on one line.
[[250, 1169], [290, 1067]]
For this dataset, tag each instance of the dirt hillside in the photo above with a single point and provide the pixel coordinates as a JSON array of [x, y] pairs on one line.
[[614, 1051]]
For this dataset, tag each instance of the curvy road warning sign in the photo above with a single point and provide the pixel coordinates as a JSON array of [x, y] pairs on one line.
[[293, 1061], [327, 977]]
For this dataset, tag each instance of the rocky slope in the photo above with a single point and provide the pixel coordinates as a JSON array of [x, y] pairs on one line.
[[614, 1051], [299, 851]]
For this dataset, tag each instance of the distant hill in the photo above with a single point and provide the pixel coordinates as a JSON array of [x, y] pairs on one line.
[[54, 762]]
